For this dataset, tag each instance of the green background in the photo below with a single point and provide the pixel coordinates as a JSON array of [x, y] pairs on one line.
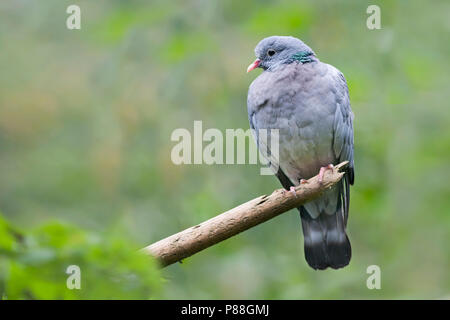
[[86, 118]]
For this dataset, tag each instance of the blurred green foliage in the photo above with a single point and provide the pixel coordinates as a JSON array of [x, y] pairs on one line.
[[34, 265], [86, 118]]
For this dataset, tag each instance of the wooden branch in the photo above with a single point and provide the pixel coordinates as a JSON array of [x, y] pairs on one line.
[[206, 234]]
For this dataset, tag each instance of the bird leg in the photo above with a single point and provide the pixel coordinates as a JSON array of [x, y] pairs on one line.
[[322, 171], [292, 190]]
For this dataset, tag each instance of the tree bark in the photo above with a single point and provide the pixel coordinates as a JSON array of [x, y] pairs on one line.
[[206, 234]]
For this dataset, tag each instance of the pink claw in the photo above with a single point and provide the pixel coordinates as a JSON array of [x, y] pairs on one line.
[[322, 171]]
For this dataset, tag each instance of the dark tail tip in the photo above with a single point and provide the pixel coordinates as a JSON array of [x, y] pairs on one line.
[[316, 254], [326, 243], [321, 254]]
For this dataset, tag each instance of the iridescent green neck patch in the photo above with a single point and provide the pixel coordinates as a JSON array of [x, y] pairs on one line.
[[303, 56]]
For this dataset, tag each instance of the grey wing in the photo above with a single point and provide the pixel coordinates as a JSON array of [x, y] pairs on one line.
[[343, 139], [264, 144], [343, 127]]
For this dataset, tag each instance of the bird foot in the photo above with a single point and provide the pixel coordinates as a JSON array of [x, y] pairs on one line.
[[303, 181], [322, 171], [292, 190]]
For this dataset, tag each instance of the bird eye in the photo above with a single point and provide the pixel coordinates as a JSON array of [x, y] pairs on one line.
[[270, 52]]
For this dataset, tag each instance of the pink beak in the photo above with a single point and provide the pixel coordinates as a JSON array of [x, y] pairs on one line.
[[254, 65]]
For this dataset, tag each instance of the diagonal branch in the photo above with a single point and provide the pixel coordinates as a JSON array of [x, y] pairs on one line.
[[206, 234]]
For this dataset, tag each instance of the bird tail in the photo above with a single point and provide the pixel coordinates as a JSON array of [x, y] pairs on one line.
[[326, 242]]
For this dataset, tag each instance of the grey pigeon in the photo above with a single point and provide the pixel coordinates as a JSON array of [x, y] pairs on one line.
[[308, 102]]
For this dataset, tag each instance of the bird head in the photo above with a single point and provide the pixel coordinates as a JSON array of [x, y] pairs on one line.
[[274, 51]]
